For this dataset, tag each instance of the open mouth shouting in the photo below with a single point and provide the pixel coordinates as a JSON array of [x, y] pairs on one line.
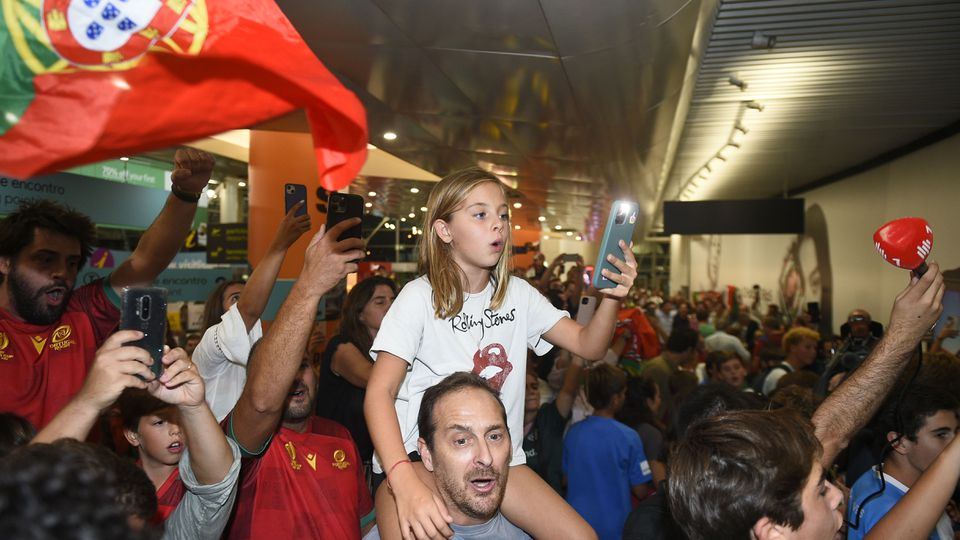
[[497, 246], [484, 482], [175, 447], [55, 295]]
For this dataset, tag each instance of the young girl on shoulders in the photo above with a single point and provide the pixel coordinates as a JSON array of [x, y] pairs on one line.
[[465, 313]]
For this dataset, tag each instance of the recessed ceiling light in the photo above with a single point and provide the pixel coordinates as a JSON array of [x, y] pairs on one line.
[[542, 219], [390, 136], [557, 227], [403, 219], [241, 184], [546, 237], [371, 194], [517, 205], [517, 227], [411, 215], [579, 237], [569, 233], [414, 190], [369, 205], [423, 208]]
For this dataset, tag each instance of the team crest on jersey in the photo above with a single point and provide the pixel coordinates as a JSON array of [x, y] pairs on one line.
[[106, 32], [340, 460], [60, 339], [4, 342]]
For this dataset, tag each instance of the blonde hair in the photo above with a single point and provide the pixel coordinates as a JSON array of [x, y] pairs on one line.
[[796, 335], [436, 260]]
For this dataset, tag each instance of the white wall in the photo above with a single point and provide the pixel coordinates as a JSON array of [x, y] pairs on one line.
[[924, 184]]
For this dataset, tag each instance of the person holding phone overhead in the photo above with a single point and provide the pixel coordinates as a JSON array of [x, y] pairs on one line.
[[49, 331], [467, 314], [232, 318]]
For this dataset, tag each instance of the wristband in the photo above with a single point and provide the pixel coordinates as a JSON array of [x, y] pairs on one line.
[[394, 467], [185, 196]]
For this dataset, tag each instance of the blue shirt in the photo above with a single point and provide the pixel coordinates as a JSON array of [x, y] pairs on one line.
[[602, 459], [877, 507]]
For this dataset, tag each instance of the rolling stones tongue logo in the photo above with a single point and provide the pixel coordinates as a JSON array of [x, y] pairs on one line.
[[491, 364]]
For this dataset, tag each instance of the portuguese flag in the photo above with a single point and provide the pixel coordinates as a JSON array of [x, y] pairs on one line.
[[86, 80]]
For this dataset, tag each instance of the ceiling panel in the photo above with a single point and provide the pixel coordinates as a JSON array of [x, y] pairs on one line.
[[845, 82]]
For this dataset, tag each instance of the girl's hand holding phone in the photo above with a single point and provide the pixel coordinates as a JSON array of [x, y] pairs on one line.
[[628, 272]]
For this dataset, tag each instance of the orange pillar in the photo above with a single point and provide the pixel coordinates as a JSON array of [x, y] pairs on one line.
[[278, 158]]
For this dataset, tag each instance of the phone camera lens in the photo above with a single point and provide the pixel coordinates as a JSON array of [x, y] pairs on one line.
[[290, 190], [145, 308], [584, 300]]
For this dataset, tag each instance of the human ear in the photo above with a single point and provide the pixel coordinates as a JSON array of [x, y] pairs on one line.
[[900, 445], [442, 231], [764, 529], [4, 265], [425, 454], [132, 438]]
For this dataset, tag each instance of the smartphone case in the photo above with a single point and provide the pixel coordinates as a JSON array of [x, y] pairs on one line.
[[343, 206], [292, 194], [145, 309], [620, 224]]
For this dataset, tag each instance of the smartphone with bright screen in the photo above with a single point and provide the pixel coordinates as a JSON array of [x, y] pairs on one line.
[[620, 224]]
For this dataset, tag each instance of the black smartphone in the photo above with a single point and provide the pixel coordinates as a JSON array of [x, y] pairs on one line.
[[620, 224], [145, 309], [292, 194], [341, 207]]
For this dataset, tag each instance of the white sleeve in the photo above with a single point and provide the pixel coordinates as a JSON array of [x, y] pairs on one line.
[[401, 331], [741, 351], [541, 317], [226, 341], [205, 509]]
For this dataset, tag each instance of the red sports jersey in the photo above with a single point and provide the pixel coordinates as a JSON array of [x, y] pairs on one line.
[[169, 496], [42, 367], [306, 485]]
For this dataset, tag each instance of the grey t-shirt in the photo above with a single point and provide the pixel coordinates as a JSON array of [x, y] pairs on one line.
[[498, 528], [205, 509]]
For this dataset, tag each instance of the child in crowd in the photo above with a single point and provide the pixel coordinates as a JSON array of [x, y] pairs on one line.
[[466, 314], [603, 459], [196, 487], [232, 320]]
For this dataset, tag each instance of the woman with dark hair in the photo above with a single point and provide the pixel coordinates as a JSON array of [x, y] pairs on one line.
[[346, 365], [231, 320], [643, 397]]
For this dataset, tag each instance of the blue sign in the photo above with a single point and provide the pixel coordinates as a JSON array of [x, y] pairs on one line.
[[107, 203]]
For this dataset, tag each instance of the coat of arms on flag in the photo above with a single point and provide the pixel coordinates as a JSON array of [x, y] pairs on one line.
[[104, 32]]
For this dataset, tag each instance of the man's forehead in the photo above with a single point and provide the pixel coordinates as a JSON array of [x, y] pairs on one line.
[[470, 407], [46, 239]]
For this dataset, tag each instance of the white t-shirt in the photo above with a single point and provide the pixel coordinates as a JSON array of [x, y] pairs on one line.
[[491, 343], [221, 358]]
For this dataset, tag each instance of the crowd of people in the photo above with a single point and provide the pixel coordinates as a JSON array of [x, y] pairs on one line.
[[477, 401]]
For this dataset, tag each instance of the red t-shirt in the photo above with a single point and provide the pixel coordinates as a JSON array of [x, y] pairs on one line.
[[306, 485], [42, 367], [169, 496]]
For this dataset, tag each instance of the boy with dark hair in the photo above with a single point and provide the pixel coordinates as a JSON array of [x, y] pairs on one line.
[[49, 332], [917, 430], [681, 350], [726, 367], [603, 458]]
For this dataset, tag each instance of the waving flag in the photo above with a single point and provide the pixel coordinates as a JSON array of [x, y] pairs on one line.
[[86, 80]]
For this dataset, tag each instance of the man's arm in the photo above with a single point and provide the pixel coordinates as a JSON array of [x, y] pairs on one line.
[[180, 384], [276, 359], [115, 368], [163, 239], [257, 290], [854, 402], [571, 384]]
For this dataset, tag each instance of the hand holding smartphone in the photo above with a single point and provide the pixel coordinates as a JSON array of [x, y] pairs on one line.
[[620, 225], [292, 194], [344, 206], [145, 309]]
